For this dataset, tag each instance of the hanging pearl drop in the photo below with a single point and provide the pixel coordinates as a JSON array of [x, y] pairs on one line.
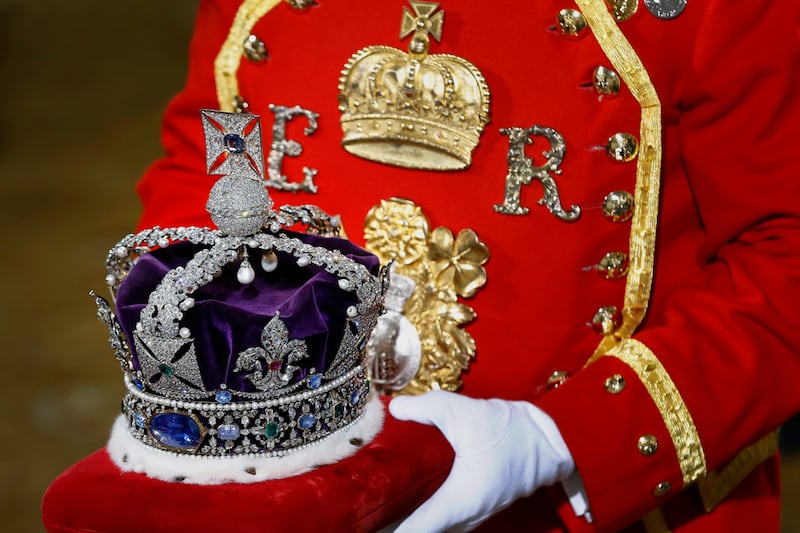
[[246, 274], [269, 261]]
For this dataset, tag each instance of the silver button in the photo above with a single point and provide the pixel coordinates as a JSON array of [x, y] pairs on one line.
[[618, 206], [607, 320], [622, 147], [665, 9], [615, 384], [255, 50], [571, 23], [648, 445], [613, 265], [606, 82]]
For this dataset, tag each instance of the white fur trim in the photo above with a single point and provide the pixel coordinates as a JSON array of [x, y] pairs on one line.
[[131, 455]]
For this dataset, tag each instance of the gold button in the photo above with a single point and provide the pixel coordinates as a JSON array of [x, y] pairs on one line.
[[615, 384], [300, 4], [613, 265], [648, 445], [606, 82], [618, 206], [622, 9], [571, 23], [607, 320], [556, 379], [255, 50], [622, 147], [240, 105], [662, 488]]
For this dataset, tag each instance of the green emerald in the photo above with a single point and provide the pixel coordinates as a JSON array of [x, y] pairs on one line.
[[271, 430], [166, 369], [338, 410]]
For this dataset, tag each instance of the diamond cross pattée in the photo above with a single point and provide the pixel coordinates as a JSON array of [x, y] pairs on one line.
[[233, 144]]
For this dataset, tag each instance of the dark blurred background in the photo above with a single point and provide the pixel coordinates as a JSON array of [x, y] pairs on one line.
[[82, 89]]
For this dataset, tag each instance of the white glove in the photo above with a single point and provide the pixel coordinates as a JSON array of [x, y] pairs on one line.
[[504, 451]]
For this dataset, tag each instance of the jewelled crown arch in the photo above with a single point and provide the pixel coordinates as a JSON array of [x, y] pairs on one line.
[[278, 403]]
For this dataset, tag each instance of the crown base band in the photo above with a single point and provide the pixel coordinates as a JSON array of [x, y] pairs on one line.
[[264, 429], [132, 455]]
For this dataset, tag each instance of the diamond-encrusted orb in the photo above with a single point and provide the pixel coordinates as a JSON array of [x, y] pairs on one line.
[[238, 205]]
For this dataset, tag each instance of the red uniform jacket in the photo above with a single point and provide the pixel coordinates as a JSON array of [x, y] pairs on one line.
[[704, 361]]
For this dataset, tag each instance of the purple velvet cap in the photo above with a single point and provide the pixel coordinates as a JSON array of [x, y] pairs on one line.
[[229, 317]]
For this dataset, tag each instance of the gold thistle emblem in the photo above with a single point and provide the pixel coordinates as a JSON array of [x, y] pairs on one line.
[[413, 109]]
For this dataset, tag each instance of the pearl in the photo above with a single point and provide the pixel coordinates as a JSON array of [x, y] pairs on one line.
[[344, 284], [352, 311], [185, 333], [121, 252], [303, 261], [246, 274], [111, 279], [269, 261], [187, 304]]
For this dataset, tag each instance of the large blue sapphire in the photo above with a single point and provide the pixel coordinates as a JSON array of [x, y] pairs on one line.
[[176, 431], [234, 143]]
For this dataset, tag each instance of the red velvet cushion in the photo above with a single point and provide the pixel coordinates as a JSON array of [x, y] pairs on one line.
[[381, 483]]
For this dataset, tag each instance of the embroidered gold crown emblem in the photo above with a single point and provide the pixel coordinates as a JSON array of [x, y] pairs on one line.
[[413, 109]]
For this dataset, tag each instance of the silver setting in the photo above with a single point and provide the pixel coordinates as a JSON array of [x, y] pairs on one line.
[[521, 171]]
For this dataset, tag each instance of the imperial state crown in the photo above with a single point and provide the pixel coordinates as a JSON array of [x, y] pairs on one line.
[[236, 372]]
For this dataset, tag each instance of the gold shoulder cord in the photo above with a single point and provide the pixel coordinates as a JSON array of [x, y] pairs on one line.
[[230, 55]]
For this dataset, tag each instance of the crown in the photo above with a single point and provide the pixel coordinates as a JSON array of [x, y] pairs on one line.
[[261, 367], [413, 109]]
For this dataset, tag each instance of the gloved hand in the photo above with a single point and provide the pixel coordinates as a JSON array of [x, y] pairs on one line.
[[504, 451]]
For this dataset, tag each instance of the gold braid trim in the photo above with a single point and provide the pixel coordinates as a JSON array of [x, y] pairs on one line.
[[719, 483], [668, 400], [648, 168], [230, 55]]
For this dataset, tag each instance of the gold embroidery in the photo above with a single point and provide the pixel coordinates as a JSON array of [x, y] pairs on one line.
[[720, 482], [412, 109], [444, 267], [668, 400], [648, 169], [230, 55]]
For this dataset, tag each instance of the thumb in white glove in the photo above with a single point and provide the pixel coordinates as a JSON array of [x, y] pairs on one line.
[[504, 451]]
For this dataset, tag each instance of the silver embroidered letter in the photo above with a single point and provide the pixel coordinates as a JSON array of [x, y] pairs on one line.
[[282, 147], [521, 171]]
